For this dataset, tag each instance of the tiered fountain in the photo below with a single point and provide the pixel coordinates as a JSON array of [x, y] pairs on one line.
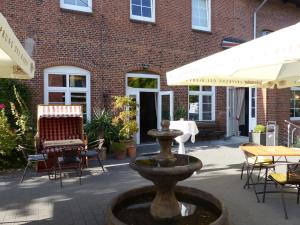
[[166, 203]]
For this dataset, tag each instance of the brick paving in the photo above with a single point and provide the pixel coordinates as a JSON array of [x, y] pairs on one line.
[[40, 201]]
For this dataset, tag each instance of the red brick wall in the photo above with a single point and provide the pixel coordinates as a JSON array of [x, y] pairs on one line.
[[109, 44]]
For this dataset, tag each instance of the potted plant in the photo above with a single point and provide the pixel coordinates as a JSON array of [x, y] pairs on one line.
[[258, 135], [125, 108], [118, 149]]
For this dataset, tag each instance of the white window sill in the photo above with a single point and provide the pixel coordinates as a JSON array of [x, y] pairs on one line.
[[295, 118], [76, 8], [205, 29], [142, 19]]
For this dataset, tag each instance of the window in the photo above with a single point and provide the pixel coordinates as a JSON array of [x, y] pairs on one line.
[[77, 5], [68, 85], [295, 103], [265, 32], [142, 10], [202, 103], [201, 15]]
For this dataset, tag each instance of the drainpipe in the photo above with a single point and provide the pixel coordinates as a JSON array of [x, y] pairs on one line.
[[254, 17]]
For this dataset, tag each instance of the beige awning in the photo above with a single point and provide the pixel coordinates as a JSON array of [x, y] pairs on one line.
[[266, 62], [14, 61]]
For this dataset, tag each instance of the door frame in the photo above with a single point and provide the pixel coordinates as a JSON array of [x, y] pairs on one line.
[[159, 106], [229, 132], [136, 91]]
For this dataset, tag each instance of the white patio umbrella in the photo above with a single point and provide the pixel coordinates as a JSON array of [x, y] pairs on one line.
[[264, 62], [14, 60]]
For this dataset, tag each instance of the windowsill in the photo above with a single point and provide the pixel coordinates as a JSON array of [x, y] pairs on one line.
[[201, 31], [295, 118], [76, 11], [134, 20]]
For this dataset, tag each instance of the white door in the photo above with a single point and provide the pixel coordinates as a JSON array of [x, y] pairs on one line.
[[136, 95], [252, 108], [165, 106], [230, 93]]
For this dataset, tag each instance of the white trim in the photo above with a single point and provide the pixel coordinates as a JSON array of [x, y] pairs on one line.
[[143, 18], [252, 120], [200, 94], [208, 28], [294, 89], [88, 8], [68, 71]]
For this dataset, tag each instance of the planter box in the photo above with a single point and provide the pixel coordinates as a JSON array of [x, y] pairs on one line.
[[258, 138]]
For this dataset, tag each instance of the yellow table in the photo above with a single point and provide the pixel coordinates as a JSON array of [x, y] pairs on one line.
[[273, 151]]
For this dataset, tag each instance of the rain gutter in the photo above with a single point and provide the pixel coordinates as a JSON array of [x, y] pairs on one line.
[[254, 16]]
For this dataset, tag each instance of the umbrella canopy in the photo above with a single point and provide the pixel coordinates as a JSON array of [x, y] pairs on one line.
[[14, 60], [266, 62]]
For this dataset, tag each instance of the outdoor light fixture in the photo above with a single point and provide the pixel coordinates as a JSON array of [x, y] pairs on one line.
[[145, 66]]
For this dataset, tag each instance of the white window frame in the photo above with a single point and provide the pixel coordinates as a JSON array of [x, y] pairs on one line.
[[88, 8], [201, 93], [143, 18], [208, 28], [294, 89], [69, 70]]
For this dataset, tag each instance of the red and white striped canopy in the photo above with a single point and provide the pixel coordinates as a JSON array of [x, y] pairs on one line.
[[59, 111]]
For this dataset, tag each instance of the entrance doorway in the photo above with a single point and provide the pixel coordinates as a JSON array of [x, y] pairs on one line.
[[148, 117], [241, 111], [153, 105]]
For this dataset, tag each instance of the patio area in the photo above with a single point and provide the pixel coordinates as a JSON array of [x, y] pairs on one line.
[[40, 201]]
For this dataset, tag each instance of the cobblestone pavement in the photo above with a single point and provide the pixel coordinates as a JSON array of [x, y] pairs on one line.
[[40, 201]]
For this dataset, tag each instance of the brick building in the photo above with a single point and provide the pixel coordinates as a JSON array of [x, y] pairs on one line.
[[89, 50]]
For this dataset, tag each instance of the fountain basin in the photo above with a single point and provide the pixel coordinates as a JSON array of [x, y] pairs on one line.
[[197, 208]]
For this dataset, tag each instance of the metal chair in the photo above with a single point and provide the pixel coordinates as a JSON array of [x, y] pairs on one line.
[[92, 151], [70, 159], [290, 179], [251, 162], [31, 159]]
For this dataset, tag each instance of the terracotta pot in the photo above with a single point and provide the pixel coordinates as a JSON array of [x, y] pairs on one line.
[[131, 151], [120, 155]]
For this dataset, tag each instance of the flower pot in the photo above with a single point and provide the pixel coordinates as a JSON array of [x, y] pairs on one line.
[[259, 138], [131, 151], [119, 155], [118, 150]]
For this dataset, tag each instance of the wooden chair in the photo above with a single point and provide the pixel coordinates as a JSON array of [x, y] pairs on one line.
[[35, 158], [92, 151], [290, 179]]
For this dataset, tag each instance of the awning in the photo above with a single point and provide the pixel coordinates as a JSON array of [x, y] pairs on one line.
[[266, 62], [14, 60], [58, 111]]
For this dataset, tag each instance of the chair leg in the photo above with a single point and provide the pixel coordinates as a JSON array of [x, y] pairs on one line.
[[258, 176], [254, 189], [46, 167], [298, 194], [24, 173], [98, 158], [283, 203], [243, 166], [265, 185], [60, 174], [80, 173]]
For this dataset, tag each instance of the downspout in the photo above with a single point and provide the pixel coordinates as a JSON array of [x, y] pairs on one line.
[[254, 17]]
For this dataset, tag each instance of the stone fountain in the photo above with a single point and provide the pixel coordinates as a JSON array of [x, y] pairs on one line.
[[166, 203]]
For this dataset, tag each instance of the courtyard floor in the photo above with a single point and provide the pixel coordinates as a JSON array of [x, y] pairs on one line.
[[40, 201]]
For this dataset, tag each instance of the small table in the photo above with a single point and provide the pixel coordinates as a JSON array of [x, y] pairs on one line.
[[189, 129], [256, 151], [69, 143]]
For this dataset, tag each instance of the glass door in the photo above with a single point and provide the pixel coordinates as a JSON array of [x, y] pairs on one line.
[[165, 106], [230, 111], [136, 96], [252, 108]]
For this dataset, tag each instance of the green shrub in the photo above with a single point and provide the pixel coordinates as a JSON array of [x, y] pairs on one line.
[[180, 112], [259, 128]]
